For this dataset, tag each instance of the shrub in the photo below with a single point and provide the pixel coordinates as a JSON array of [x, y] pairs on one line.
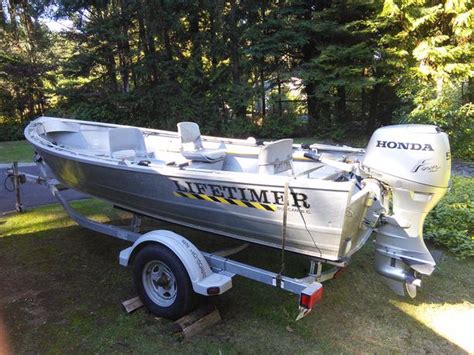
[[11, 131], [449, 112], [240, 128], [276, 127], [450, 224]]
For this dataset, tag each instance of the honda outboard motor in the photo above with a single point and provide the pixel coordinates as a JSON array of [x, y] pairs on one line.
[[413, 162]]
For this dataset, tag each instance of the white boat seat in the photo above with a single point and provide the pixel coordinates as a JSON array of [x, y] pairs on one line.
[[127, 143], [276, 157], [191, 145]]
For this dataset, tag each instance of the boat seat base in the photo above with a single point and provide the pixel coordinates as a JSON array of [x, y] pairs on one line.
[[205, 155], [217, 165]]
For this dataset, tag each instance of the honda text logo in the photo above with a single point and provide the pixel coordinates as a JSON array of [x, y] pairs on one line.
[[403, 145]]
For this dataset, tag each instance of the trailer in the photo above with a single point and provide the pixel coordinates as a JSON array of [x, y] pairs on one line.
[[170, 272]]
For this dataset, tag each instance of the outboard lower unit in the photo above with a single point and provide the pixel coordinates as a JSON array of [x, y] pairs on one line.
[[413, 163]]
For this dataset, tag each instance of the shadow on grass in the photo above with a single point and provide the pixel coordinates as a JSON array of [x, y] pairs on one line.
[[62, 290]]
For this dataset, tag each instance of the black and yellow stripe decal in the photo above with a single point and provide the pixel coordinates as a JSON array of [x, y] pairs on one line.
[[228, 201]]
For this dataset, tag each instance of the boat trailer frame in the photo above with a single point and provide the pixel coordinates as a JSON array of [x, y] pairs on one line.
[[309, 289]]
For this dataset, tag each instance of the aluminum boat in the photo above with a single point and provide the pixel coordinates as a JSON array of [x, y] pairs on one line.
[[317, 200]]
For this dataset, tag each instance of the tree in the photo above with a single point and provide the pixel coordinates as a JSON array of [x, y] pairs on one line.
[[224, 64], [430, 47], [25, 65]]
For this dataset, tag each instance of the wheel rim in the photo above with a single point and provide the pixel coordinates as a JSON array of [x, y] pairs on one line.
[[159, 283]]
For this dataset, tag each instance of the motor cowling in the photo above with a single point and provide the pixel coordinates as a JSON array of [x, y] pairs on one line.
[[414, 162], [410, 156]]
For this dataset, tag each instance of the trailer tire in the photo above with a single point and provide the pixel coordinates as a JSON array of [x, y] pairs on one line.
[[162, 282]]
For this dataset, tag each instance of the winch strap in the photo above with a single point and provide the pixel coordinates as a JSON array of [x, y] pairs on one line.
[[283, 234]]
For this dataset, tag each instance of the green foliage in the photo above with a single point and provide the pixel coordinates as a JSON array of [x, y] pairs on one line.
[[457, 120], [360, 64], [451, 223], [280, 126], [240, 128], [26, 64], [430, 49], [448, 110], [10, 131]]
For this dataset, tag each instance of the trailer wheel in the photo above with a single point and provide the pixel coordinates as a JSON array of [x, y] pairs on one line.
[[162, 282]]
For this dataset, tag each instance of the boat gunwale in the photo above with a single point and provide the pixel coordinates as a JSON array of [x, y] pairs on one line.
[[149, 131]]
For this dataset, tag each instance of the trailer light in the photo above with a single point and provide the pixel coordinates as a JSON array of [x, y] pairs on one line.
[[213, 290], [309, 300]]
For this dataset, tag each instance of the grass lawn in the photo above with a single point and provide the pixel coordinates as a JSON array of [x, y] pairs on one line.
[[15, 151], [62, 288]]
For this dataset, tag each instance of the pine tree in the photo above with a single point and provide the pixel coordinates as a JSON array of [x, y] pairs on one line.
[[25, 63], [430, 48]]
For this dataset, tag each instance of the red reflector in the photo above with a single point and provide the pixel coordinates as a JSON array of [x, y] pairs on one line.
[[213, 290], [308, 301]]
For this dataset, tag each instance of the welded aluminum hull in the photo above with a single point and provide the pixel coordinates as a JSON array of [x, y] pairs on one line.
[[322, 220]]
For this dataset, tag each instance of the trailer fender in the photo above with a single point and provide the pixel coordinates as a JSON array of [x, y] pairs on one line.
[[202, 277]]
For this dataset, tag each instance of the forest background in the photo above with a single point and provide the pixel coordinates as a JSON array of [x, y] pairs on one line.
[[333, 69]]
